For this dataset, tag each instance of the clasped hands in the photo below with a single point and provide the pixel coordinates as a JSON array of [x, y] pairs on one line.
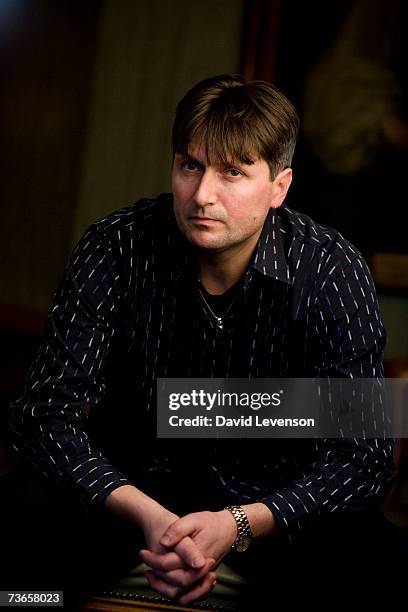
[[184, 552]]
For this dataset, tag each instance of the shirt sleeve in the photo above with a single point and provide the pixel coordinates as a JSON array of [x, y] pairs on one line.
[[48, 422], [343, 473]]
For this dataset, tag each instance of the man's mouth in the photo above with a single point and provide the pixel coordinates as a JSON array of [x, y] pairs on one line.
[[204, 219]]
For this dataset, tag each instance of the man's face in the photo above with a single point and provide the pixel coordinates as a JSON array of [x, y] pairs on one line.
[[219, 208]]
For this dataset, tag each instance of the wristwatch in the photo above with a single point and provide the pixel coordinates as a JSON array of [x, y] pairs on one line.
[[245, 535]]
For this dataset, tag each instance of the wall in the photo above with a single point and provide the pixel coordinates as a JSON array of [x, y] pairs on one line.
[[394, 309], [46, 61]]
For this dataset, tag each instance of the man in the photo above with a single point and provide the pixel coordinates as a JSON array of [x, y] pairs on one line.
[[217, 279]]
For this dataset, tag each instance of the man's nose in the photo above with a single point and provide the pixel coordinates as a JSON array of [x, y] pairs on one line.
[[205, 194]]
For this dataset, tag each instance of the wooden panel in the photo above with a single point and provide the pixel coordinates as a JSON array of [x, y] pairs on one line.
[[390, 270], [112, 604], [260, 39]]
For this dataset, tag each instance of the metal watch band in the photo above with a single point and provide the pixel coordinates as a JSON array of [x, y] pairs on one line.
[[245, 535]]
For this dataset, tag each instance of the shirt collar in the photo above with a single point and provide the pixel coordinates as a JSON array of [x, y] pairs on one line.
[[269, 257]]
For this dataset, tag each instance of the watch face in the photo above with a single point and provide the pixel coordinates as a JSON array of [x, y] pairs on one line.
[[243, 544]]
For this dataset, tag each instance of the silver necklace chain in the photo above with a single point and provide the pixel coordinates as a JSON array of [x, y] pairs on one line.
[[219, 320]]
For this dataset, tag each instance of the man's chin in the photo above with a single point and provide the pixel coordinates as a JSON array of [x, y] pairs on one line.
[[207, 242]]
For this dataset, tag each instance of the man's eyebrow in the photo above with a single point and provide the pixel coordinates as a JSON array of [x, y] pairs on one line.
[[223, 165], [232, 164], [190, 158]]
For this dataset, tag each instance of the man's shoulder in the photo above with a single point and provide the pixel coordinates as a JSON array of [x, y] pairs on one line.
[[142, 216]]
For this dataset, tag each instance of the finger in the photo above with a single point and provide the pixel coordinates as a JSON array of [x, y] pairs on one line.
[[190, 553], [175, 537], [182, 527], [161, 587], [200, 591], [186, 578], [162, 561]]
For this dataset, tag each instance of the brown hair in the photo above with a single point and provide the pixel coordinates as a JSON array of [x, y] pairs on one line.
[[237, 120]]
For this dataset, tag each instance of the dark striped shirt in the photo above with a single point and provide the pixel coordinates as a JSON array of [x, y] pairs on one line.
[[128, 311]]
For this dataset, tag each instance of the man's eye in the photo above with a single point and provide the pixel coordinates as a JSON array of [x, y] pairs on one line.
[[234, 172], [189, 165]]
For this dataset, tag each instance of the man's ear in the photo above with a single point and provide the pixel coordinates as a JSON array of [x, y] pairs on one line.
[[280, 187]]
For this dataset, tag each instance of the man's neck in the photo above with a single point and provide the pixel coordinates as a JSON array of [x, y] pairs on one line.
[[218, 271]]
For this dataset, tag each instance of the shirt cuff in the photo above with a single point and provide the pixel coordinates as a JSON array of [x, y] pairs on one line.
[[95, 478], [287, 507]]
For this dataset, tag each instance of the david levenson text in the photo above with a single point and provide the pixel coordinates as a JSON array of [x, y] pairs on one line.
[[221, 421]]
